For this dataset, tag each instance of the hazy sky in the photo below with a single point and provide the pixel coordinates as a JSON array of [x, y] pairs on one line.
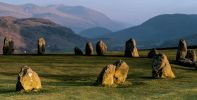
[[127, 11]]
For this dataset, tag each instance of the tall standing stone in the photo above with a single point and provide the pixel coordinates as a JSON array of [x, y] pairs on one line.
[[182, 50], [41, 46], [89, 49], [131, 49], [101, 48], [8, 46]]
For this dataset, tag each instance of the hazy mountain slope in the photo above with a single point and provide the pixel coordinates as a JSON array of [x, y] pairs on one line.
[[75, 17], [158, 29], [95, 32], [25, 33]]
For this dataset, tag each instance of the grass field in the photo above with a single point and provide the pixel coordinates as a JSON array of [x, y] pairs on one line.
[[69, 77]]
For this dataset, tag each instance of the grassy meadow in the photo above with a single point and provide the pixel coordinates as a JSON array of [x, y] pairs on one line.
[[70, 77]]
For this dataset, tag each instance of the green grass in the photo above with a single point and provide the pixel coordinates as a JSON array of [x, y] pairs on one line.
[[69, 77]]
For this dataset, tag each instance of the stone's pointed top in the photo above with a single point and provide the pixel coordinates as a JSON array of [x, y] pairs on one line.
[[182, 42], [24, 67], [118, 63], [152, 53]]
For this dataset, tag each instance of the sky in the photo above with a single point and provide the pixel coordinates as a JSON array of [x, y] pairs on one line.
[[132, 12]]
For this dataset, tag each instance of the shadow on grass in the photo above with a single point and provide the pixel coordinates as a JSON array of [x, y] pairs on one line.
[[71, 80], [8, 74], [64, 80], [138, 83], [147, 77], [182, 66], [7, 91]]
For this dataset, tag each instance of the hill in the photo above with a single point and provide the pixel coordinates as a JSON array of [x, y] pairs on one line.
[[25, 33], [95, 32], [76, 17], [157, 30]]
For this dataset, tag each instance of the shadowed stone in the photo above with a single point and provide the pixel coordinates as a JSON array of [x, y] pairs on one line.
[[101, 48], [89, 49], [78, 51], [152, 53], [41, 46], [182, 50], [8, 46], [191, 55], [161, 67], [131, 49], [28, 80]]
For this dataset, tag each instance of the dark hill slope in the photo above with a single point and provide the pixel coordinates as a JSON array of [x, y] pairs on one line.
[[25, 33]]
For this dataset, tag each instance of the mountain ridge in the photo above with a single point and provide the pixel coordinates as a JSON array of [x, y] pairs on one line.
[[76, 17], [157, 30]]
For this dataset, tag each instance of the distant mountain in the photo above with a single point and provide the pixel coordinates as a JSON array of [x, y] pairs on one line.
[[25, 33], [76, 17], [95, 32], [157, 30]]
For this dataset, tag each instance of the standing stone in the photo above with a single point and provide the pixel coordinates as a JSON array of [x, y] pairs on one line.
[[182, 50], [8, 46], [161, 67], [106, 77], [130, 49], [101, 48], [115, 74], [28, 80], [41, 46], [191, 55], [152, 53], [78, 51], [89, 49], [121, 72]]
